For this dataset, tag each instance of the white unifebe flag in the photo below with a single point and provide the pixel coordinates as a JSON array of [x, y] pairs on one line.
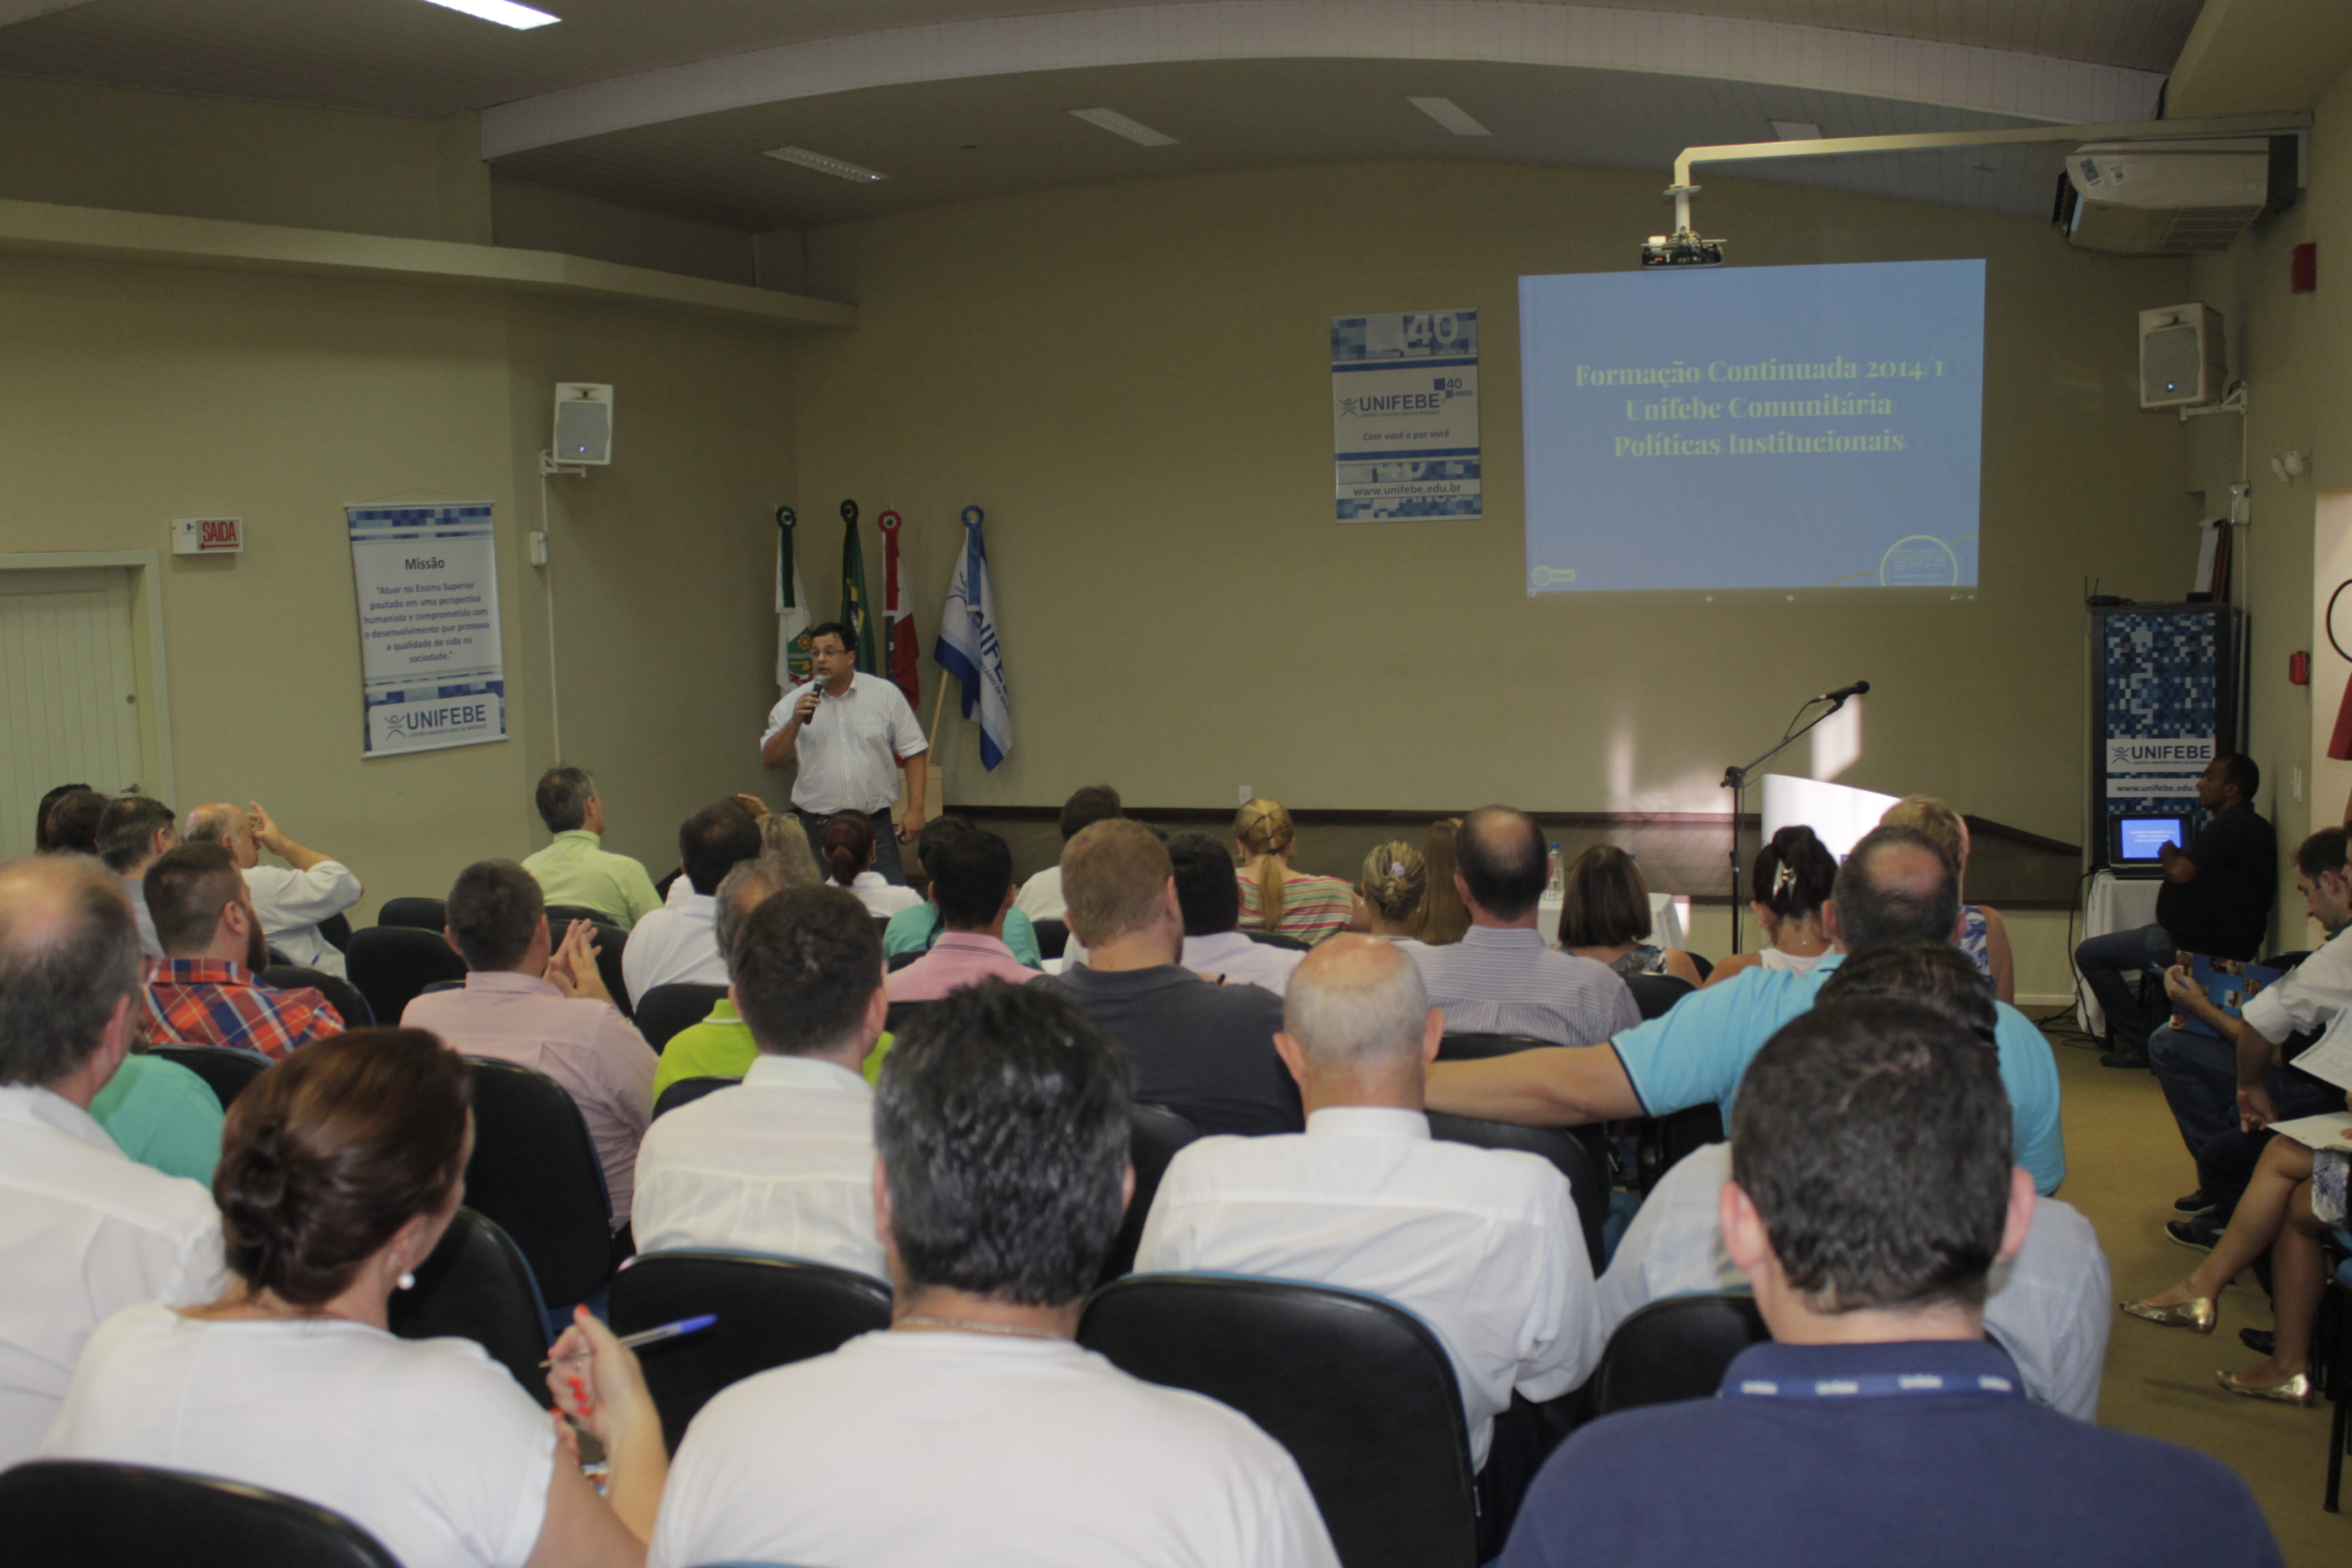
[[967, 646], [793, 666]]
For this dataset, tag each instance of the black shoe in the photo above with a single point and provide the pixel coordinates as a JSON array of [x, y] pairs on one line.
[[2198, 1235], [2261, 1342], [2195, 1203], [2123, 1057]]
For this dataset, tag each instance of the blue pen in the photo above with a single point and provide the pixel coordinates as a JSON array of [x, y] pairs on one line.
[[664, 1332]]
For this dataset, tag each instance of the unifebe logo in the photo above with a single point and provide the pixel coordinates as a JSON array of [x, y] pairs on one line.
[[2161, 755]]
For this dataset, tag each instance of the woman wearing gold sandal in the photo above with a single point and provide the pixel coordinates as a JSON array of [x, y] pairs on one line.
[[2295, 1195]]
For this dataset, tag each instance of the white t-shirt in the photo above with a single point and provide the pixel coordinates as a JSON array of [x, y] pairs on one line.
[[1041, 896], [428, 1444], [675, 945], [1785, 962], [910, 1449], [880, 897]]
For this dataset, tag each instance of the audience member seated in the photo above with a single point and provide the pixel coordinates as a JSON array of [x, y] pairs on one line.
[[1210, 902], [1604, 915], [783, 1163], [1390, 893], [2297, 1193], [528, 1001], [133, 831], [1983, 937], [1896, 884], [161, 1115], [1788, 887], [575, 870], [1482, 1245], [719, 1046], [1204, 1051], [342, 1169], [1443, 918], [916, 927], [291, 899], [1041, 896], [1871, 1194], [1274, 897], [69, 821], [675, 944], [970, 871], [2226, 1087], [84, 1232], [2047, 1306], [205, 993], [974, 1430], [847, 846], [1500, 978], [782, 844]]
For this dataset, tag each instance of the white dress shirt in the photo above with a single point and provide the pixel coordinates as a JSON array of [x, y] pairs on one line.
[[1241, 960], [2306, 997], [2048, 1305], [676, 944], [849, 753], [291, 904], [1041, 896], [881, 897], [912, 1449], [1482, 1245], [84, 1233], [783, 1163]]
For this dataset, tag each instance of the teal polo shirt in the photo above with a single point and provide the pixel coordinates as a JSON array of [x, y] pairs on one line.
[[1698, 1052]]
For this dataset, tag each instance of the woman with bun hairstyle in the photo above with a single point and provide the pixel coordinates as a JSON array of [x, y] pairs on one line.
[[1790, 882], [847, 848], [340, 1169], [1395, 882], [1274, 897], [1983, 937]]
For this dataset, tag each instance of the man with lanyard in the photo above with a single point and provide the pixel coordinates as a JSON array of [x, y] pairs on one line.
[[852, 734], [1871, 1193]]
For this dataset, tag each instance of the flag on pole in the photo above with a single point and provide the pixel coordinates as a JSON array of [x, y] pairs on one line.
[[856, 611], [793, 664], [900, 647], [967, 646]]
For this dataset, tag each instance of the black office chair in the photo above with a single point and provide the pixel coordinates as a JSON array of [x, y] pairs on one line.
[[1579, 1154], [1358, 1389], [1479, 1048], [349, 1005], [686, 1090], [1675, 1348], [899, 961], [1278, 939], [902, 1014], [535, 1172], [225, 1071], [663, 1011], [392, 965], [1052, 937], [1654, 993], [336, 931], [560, 916], [477, 1286], [611, 942], [1155, 1134], [81, 1514], [771, 1310], [1662, 1141], [424, 914]]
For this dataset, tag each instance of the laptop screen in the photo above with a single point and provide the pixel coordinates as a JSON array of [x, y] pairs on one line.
[[2140, 840]]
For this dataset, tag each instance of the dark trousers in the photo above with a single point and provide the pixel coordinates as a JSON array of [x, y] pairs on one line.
[[885, 844], [2112, 965], [2200, 1075]]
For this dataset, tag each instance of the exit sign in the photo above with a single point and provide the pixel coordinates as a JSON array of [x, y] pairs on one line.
[[207, 535]]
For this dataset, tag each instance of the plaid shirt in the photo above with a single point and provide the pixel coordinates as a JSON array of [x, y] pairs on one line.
[[205, 1002]]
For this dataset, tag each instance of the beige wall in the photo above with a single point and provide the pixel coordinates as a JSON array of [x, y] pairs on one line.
[[1132, 380]]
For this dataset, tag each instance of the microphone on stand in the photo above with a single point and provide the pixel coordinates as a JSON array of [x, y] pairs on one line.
[[1842, 692]]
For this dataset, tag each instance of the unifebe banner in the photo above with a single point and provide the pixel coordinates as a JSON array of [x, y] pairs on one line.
[[1405, 415], [430, 670]]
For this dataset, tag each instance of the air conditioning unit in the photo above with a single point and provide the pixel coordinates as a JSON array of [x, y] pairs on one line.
[[2173, 198]]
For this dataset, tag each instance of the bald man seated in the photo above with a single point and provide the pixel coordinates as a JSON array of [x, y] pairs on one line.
[[1895, 885], [291, 899]]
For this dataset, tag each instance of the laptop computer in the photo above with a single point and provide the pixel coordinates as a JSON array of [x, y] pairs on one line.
[[2135, 841]]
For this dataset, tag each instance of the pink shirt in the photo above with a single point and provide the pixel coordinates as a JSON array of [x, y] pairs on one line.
[[958, 958], [587, 1046]]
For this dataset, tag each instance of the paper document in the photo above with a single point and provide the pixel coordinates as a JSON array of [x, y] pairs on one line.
[[2331, 1059], [2331, 1131]]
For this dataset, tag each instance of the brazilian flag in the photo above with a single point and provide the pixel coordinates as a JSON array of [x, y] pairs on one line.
[[856, 609]]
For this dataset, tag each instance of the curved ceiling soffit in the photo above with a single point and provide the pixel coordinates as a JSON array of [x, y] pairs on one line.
[[1513, 32]]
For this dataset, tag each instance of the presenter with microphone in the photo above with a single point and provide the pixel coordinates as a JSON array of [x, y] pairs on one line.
[[852, 733]]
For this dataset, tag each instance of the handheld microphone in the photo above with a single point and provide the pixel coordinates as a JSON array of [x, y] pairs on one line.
[[1842, 692]]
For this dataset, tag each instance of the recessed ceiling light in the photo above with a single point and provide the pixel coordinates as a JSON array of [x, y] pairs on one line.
[[504, 13], [1795, 130], [839, 168], [1119, 124], [1450, 114]]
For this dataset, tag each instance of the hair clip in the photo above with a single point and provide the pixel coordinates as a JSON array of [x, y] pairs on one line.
[[1784, 876], [1396, 869]]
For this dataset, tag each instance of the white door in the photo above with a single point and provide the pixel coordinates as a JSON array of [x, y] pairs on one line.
[[69, 690]]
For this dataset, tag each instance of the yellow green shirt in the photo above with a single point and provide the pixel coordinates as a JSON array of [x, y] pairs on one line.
[[577, 869], [721, 1046]]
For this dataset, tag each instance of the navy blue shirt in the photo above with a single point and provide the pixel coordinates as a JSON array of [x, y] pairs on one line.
[[1866, 1479]]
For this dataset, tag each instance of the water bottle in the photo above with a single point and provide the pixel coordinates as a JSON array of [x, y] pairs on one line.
[[1553, 879]]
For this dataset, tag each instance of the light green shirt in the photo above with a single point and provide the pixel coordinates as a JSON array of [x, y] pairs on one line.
[[161, 1115], [576, 869], [721, 1046]]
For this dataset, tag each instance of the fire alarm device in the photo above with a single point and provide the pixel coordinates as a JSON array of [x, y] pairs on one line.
[[2298, 669], [207, 536]]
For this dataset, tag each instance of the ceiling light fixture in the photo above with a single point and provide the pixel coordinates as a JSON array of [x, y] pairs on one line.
[[1795, 130], [1450, 114], [1119, 124], [504, 13], [839, 168]]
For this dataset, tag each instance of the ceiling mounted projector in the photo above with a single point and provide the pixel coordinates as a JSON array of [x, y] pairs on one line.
[[2172, 198]]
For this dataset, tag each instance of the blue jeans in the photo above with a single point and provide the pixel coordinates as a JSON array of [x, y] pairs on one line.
[[2112, 965], [2199, 1075]]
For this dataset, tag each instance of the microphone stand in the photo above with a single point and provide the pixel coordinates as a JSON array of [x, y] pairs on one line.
[[1735, 781]]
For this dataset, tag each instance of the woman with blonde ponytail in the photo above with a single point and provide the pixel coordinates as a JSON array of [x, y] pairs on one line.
[[1274, 897]]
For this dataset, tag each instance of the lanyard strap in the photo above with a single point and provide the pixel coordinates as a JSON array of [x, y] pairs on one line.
[[1875, 1385]]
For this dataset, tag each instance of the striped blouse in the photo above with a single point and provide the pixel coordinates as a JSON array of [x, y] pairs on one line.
[[1312, 907]]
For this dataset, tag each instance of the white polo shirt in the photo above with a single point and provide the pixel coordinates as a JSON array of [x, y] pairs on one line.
[[1241, 960], [914, 1449], [2048, 1306], [84, 1233], [676, 944], [849, 753], [1482, 1245], [291, 904]]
